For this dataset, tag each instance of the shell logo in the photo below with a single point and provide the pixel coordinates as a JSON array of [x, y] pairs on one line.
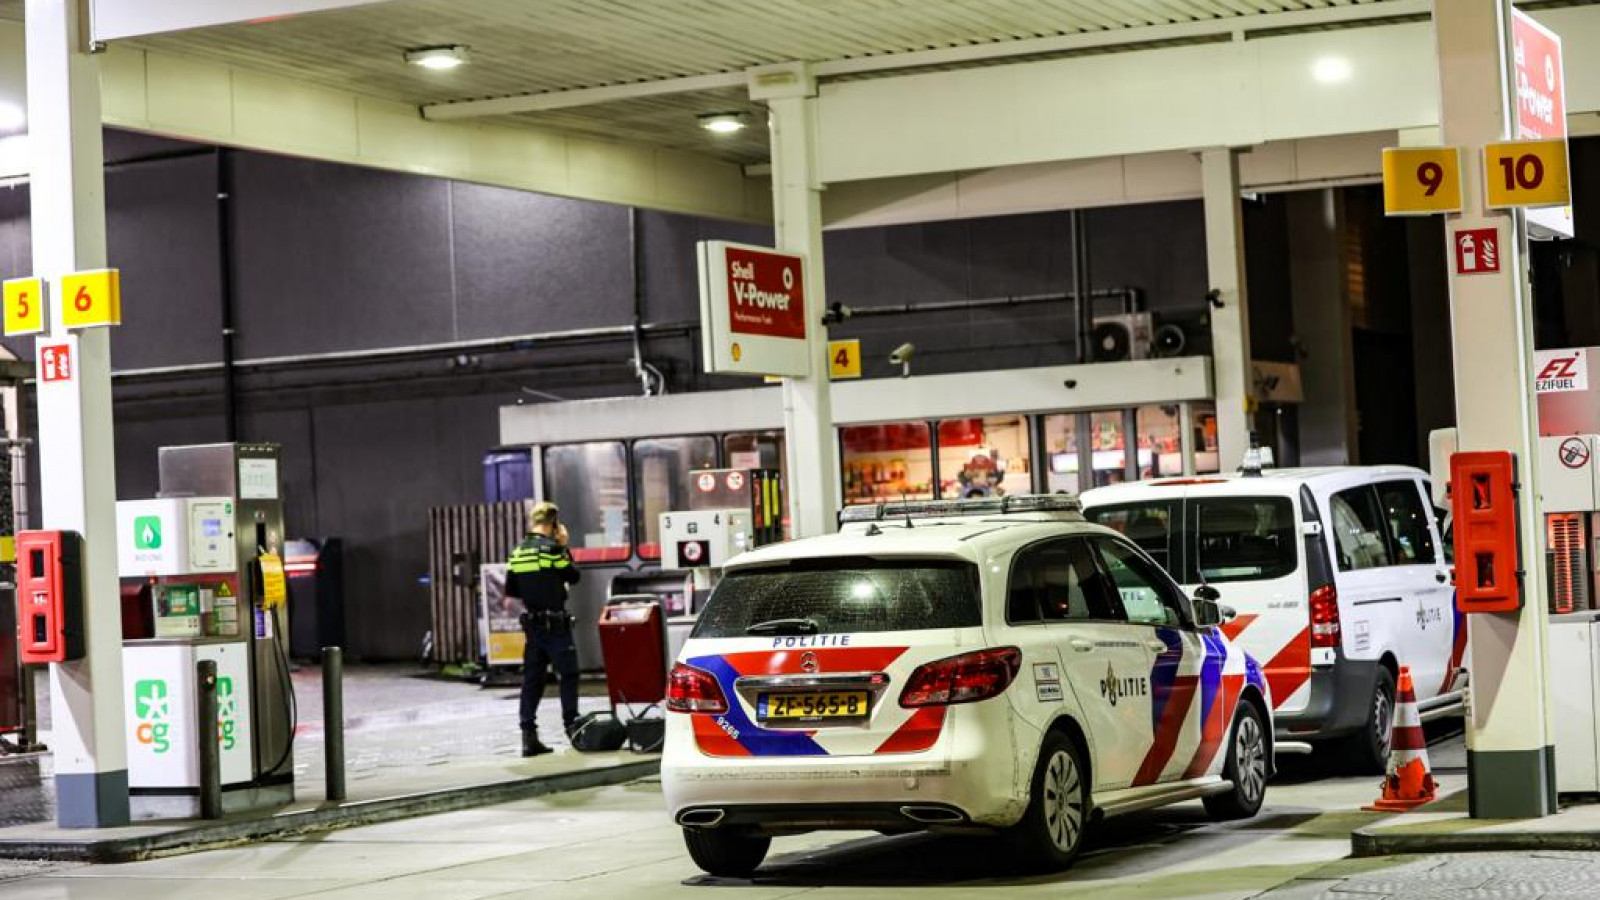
[[738, 352]]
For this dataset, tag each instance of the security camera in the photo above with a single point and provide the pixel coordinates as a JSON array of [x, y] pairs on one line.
[[1070, 383], [902, 357]]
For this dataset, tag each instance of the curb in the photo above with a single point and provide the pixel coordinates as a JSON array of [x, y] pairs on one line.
[[1375, 842], [348, 815]]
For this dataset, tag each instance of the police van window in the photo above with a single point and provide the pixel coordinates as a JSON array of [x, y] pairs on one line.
[[1057, 582], [1243, 539], [1407, 518], [1147, 598], [1147, 524], [842, 597], [661, 482], [590, 484], [1358, 530]]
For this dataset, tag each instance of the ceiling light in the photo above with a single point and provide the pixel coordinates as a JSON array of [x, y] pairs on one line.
[[437, 57], [1331, 70], [13, 118], [724, 123]]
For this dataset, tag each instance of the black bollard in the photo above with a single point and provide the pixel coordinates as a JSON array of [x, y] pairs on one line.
[[206, 733], [333, 722]]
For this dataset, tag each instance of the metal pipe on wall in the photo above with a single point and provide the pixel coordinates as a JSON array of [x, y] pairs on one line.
[[225, 292]]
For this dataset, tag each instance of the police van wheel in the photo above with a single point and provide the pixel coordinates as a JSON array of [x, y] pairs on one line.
[[1246, 767], [726, 853], [1051, 831], [1368, 749]]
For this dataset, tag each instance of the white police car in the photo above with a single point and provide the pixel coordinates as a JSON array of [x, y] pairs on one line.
[[982, 666]]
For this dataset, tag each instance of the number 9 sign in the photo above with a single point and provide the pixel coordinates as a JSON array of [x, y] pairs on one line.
[[1419, 181]]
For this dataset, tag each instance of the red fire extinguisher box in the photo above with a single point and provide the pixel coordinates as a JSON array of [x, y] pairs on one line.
[[1483, 497], [633, 639], [50, 596]]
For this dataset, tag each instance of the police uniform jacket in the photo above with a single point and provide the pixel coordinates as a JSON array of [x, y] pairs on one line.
[[538, 573]]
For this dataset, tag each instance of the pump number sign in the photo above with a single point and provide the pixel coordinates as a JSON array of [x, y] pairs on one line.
[[1421, 180], [1526, 173], [24, 302], [92, 298]]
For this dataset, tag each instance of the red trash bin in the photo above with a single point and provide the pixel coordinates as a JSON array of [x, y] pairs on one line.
[[633, 640]]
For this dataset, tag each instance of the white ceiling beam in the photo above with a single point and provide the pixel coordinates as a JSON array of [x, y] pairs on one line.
[[543, 101], [548, 100], [118, 19]]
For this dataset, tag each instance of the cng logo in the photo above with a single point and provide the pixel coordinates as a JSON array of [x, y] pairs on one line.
[[227, 713], [147, 533], [153, 708]]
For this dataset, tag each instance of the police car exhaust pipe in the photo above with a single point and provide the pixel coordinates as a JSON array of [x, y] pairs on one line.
[[702, 818], [932, 815]]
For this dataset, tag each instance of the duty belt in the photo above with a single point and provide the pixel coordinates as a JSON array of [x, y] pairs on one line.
[[549, 621]]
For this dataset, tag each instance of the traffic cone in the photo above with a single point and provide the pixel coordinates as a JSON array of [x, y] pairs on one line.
[[1409, 783]]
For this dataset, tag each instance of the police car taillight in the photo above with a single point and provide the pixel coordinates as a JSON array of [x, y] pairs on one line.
[[1325, 616], [691, 690], [967, 678]]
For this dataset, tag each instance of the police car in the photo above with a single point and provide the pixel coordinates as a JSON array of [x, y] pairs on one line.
[[985, 666], [1340, 575]]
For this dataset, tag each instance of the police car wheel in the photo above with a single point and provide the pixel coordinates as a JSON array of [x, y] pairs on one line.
[[1368, 749], [1051, 831], [1246, 767], [725, 852]]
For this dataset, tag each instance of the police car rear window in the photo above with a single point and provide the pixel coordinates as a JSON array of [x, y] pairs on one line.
[[837, 596]]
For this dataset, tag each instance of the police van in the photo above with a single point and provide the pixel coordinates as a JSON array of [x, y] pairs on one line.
[[983, 666], [1338, 575]]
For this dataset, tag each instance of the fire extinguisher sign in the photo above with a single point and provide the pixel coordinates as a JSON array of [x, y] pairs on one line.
[[1477, 250]]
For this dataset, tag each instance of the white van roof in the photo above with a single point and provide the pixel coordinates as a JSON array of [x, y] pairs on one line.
[[1284, 482]]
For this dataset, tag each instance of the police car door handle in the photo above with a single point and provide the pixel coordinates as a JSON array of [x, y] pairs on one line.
[[1440, 577], [1081, 645]]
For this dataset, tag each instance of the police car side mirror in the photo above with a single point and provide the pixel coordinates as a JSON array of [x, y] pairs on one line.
[[1207, 612]]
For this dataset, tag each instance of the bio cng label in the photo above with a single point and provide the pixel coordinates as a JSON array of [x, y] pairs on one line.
[[1560, 370], [147, 533], [152, 711], [227, 713]]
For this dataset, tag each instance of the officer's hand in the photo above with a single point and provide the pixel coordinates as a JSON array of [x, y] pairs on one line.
[[561, 534]]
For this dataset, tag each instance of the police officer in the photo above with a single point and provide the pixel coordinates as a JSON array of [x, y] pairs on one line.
[[538, 573]]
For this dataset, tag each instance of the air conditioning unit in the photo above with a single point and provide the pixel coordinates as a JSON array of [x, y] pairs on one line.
[[1123, 337]]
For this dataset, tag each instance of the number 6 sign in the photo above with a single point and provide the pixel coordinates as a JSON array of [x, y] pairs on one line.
[[91, 298]]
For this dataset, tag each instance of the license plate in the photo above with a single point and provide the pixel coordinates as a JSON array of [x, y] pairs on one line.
[[821, 705]]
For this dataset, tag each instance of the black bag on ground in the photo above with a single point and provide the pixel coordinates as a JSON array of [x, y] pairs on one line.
[[646, 735], [597, 732]]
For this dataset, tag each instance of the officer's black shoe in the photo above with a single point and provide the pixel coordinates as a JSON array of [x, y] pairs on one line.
[[531, 745]]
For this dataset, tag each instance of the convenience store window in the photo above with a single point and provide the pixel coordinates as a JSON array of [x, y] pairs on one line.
[[1160, 450], [984, 457], [1061, 453], [661, 468], [1207, 459], [1108, 447], [589, 482], [887, 462]]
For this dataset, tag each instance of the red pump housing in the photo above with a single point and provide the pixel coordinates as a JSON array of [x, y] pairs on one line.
[[50, 626], [1483, 498]]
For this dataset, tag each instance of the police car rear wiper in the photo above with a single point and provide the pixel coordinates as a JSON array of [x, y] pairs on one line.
[[784, 626]]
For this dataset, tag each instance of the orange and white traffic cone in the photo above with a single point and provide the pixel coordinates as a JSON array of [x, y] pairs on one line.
[[1409, 783]]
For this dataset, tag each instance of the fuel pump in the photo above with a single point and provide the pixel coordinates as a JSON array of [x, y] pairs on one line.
[[209, 549]]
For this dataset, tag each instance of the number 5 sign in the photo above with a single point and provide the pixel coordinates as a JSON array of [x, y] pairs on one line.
[[24, 303], [91, 298]]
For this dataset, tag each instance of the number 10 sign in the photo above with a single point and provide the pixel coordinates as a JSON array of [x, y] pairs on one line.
[[1420, 181]]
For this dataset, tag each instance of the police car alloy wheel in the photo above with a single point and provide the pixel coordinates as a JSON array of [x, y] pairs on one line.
[[1051, 832], [726, 852], [1246, 767]]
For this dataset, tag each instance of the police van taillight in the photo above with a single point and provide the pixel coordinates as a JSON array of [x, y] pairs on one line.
[[1325, 616], [691, 690]]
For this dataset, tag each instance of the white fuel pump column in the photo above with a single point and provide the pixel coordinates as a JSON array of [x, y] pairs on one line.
[[813, 468], [1510, 755]]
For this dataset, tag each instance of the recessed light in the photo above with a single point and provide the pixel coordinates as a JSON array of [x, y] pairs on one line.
[[1332, 70], [447, 57], [724, 123], [13, 118]]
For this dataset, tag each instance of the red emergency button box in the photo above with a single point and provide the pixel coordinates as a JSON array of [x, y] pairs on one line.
[[1483, 498], [50, 625]]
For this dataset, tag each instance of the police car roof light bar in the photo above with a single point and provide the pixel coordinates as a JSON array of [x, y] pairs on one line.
[[948, 509]]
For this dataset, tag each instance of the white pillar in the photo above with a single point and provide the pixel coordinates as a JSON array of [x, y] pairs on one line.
[[1510, 760], [1230, 322], [790, 94], [77, 479]]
